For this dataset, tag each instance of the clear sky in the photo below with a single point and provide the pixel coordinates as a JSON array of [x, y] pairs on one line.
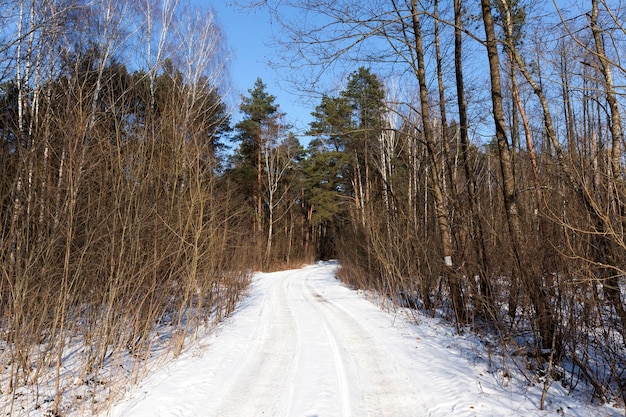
[[249, 34]]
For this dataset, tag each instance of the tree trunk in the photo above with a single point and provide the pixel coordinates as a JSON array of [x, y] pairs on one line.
[[259, 189], [611, 278], [543, 314], [436, 167], [485, 290], [517, 102]]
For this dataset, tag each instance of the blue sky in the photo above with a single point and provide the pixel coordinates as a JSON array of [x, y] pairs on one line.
[[249, 33]]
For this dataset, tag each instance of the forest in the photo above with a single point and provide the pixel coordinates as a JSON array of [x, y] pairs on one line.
[[469, 165]]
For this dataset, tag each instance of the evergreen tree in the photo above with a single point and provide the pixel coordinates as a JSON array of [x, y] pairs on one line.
[[338, 168], [327, 170], [260, 111], [366, 95], [332, 122]]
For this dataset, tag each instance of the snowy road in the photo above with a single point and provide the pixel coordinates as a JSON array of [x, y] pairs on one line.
[[310, 356], [302, 344]]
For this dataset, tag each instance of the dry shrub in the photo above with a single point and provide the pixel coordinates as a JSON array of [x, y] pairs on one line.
[[119, 239]]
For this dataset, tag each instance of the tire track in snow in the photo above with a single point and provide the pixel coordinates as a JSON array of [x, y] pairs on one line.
[[322, 370], [385, 389], [341, 374], [296, 349], [263, 385]]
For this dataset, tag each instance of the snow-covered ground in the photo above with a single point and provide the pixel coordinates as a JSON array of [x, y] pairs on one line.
[[302, 344]]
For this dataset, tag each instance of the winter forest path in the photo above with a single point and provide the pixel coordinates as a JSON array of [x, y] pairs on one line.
[[310, 356], [302, 344]]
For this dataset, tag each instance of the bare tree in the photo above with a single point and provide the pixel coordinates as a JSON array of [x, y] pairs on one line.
[[543, 314], [115, 222], [279, 152]]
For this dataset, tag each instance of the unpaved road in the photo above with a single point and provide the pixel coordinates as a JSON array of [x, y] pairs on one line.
[[301, 344], [312, 356]]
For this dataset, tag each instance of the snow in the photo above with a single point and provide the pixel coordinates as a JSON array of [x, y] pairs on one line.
[[303, 344]]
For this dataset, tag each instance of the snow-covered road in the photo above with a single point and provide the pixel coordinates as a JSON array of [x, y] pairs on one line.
[[310, 356], [302, 344]]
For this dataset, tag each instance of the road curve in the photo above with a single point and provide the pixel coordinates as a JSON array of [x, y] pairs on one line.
[[300, 344], [312, 356]]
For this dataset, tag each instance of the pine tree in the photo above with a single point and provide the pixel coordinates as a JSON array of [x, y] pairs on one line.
[[366, 96], [259, 111]]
